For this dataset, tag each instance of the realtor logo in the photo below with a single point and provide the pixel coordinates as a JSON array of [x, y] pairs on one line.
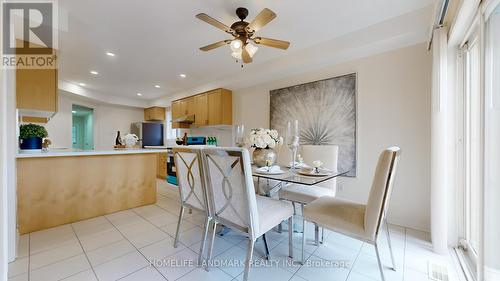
[[28, 34]]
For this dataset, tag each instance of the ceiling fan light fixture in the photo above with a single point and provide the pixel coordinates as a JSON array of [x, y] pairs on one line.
[[236, 55], [251, 49], [236, 45]]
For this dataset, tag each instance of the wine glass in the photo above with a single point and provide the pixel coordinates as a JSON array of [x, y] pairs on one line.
[[239, 138], [292, 141]]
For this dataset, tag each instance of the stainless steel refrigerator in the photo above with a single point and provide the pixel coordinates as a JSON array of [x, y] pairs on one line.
[[149, 134]]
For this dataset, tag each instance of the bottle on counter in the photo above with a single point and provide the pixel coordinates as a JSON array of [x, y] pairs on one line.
[[118, 140], [212, 141], [184, 139]]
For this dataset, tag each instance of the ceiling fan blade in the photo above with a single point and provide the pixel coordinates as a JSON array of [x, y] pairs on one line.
[[280, 44], [215, 45], [263, 18], [208, 19], [245, 56]]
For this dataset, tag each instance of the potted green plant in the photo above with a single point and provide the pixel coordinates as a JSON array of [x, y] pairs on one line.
[[31, 135]]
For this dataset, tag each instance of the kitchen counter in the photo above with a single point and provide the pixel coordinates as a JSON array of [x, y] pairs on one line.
[[66, 186], [77, 152]]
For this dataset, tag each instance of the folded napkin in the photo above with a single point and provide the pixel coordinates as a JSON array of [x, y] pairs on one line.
[[320, 170], [299, 165], [272, 169]]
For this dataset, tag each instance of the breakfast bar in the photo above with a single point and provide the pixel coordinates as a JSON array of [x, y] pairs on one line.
[[60, 187]]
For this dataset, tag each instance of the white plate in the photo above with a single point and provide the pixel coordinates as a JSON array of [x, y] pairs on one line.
[[309, 172], [280, 172], [303, 165]]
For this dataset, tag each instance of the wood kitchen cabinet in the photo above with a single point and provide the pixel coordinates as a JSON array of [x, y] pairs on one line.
[[179, 110], [36, 90], [154, 113], [162, 166], [201, 109], [209, 108], [220, 108]]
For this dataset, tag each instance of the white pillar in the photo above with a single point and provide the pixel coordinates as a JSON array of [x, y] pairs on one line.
[[439, 208]]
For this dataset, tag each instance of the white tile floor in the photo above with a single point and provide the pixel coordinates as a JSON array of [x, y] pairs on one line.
[[120, 246]]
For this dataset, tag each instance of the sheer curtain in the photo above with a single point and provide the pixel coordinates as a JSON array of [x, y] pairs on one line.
[[492, 148]]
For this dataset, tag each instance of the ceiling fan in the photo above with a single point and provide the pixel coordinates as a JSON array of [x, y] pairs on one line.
[[244, 33]]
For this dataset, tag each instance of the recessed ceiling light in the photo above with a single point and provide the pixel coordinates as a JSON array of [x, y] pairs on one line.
[[73, 111], [94, 72], [157, 86], [81, 84], [139, 94], [110, 54], [182, 75]]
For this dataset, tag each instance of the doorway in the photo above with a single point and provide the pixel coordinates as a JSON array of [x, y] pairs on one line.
[[82, 129]]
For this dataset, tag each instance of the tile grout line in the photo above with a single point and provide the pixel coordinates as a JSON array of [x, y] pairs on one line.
[[187, 246], [84, 252], [137, 249], [355, 259], [404, 255]]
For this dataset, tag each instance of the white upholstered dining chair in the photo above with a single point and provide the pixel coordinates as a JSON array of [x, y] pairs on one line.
[[192, 189], [231, 196], [303, 194], [359, 221]]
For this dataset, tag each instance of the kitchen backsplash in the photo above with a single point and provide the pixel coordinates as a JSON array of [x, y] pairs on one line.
[[224, 134]]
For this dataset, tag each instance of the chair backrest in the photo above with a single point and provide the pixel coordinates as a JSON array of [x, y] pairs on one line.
[[190, 177], [230, 189], [381, 190], [328, 154]]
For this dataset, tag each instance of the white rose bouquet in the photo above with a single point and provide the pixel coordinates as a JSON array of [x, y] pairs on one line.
[[265, 138]]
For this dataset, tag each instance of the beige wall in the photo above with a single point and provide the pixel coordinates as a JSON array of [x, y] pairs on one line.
[[394, 90], [107, 120]]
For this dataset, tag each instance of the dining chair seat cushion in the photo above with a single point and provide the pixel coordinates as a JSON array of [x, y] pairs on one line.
[[305, 194], [272, 212], [338, 215]]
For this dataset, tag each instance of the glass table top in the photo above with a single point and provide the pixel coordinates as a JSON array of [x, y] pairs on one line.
[[293, 176]]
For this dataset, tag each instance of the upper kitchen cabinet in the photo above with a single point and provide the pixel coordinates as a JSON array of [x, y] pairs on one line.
[[201, 110], [154, 113], [36, 91], [209, 108], [220, 107]]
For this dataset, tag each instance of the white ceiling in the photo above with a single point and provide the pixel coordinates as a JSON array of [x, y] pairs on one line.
[[156, 40]]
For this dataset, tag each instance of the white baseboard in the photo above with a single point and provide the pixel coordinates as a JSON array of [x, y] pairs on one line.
[[405, 223], [491, 274]]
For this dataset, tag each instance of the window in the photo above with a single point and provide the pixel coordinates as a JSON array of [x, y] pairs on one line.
[[171, 133], [73, 134], [480, 170], [473, 146]]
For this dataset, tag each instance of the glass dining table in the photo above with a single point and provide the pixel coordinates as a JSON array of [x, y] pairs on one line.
[[274, 182]]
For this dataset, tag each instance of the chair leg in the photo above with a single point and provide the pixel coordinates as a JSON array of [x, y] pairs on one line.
[[390, 246], [203, 240], [380, 267], [316, 234], [303, 241], [265, 246], [211, 244], [322, 235], [290, 237], [249, 258], [181, 214]]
